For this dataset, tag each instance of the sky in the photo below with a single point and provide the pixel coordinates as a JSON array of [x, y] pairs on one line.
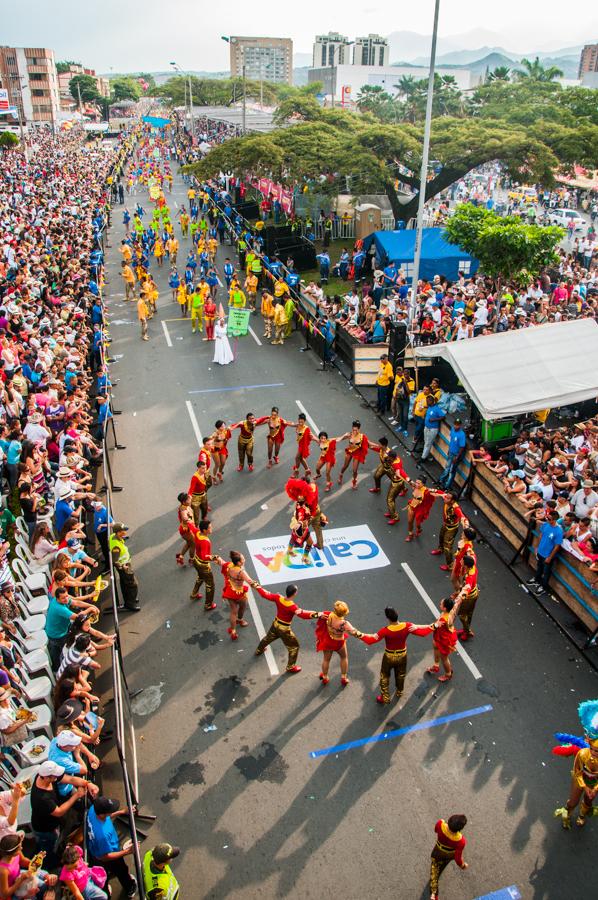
[[134, 35]]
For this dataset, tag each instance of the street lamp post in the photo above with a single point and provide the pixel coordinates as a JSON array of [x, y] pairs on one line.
[[423, 178], [232, 40], [23, 84], [177, 68]]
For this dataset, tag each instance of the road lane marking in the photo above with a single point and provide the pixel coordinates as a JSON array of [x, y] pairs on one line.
[[254, 336], [194, 423], [257, 619], [166, 333], [430, 604], [241, 387], [261, 631], [314, 428], [388, 735], [508, 893]]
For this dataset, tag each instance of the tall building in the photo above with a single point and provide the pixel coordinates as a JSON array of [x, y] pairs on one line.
[[331, 49], [589, 60], [370, 51], [265, 58], [67, 101], [29, 75]]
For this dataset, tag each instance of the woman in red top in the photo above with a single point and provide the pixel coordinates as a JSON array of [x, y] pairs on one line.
[[220, 439], [450, 844], [185, 515], [327, 457], [236, 581], [331, 636], [444, 639], [304, 438], [418, 508], [275, 438], [355, 452], [300, 538]]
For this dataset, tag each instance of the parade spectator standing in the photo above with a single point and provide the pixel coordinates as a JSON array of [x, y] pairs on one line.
[[103, 843], [384, 384], [456, 451]]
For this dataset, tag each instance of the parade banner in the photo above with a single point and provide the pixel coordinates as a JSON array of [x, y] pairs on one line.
[[238, 322], [275, 191], [353, 549]]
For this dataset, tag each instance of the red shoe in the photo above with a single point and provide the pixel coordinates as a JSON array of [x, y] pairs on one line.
[[433, 670], [209, 509], [344, 681], [465, 635], [436, 552], [444, 678], [194, 596], [354, 484], [293, 670], [392, 521], [328, 487], [323, 678], [374, 490], [340, 479], [269, 466], [380, 699], [388, 515], [233, 634], [239, 468], [276, 460], [210, 608], [250, 467], [408, 538], [418, 532], [445, 568], [180, 560]]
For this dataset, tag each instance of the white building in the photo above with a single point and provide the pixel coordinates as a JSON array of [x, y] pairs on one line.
[[371, 51], [345, 82], [330, 50]]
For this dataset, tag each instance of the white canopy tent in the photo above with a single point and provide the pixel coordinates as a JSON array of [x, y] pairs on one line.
[[527, 370]]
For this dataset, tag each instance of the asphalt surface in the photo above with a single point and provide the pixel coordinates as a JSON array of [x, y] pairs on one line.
[[253, 812]]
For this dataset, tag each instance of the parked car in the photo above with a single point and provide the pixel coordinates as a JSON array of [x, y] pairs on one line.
[[527, 194], [562, 217]]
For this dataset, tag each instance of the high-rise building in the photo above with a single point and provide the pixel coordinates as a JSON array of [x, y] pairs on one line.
[[29, 75], [589, 59], [265, 58], [331, 49], [370, 51], [67, 101]]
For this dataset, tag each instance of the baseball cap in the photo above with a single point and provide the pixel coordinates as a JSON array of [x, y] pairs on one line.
[[73, 543], [48, 768], [67, 739], [119, 526], [103, 805], [163, 852]]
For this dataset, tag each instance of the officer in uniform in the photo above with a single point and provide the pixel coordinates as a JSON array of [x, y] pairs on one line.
[[121, 560], [158, 880]]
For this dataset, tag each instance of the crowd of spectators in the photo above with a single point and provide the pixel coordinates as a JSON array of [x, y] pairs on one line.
[[53, 405]]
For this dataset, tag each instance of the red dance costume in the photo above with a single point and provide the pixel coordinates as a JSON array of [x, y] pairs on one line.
[[359, 449], [234, 588], [445, 635], [209, 312], [466, 550], [395, 635], [285, 609], [303, 441], [327, 453], [297, 487], [221, 439], [328, 638], [422, 510]]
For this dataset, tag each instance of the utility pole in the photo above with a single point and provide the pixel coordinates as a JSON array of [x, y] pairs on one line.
[[191, 107], [21, 106], [423, 178], [79, 95]]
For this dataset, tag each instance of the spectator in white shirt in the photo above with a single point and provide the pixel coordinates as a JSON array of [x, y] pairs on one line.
[[584, 500]]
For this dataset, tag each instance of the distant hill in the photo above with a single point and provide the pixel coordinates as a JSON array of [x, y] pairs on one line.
[[302, 60]]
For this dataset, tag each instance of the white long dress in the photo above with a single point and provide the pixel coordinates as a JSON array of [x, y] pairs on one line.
[[223, 355]]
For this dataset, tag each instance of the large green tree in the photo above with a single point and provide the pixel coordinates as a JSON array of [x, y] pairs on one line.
[[125, 87], [85, 85], [530, 130], [535, 71], [506, 247], [8, 140], [65, 65]]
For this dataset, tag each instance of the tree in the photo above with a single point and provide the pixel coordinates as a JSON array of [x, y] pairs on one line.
[[86, 84], [500, 73], [125, 88], [65, 66], [8, 140], [535, 71], [373, 98], [330, 145], [507, 248]]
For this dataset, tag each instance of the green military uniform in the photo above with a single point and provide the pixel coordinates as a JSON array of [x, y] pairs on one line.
[[159, 884]]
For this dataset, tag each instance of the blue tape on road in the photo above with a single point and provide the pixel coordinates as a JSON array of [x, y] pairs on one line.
[[387, 735], [241, 387], [508, 893]]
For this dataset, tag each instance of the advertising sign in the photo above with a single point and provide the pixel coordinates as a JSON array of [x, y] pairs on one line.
[[353, 549], [238, 322]]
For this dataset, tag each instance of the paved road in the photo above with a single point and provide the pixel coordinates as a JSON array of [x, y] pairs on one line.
[[252, 810]]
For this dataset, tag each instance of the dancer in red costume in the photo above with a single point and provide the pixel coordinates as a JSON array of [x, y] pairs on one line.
[[185, 515], [300, 538], [355, 452], [418, 508], [327, 457], [209, 314], [304, 438], [281, 628], [445, 639], [331, 636], [220, 439], [276, 427], [236, 581], [300, 490], [395, 636]]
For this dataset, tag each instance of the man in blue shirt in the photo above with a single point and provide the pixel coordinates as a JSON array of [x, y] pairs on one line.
[[456, 449], [63, 509], [324, 261], [433, 417], [103, 843], [101, 520], [551, 538], [59, 616]]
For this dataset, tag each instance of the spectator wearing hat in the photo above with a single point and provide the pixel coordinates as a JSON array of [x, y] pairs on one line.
[[67, 750], [158, 879], [65, 509], [15, 878], [103, 842], [48, 808], [585, 499], [9, 808]]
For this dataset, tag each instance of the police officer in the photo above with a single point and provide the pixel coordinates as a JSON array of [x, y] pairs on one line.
[[121, 560], [158, 880]]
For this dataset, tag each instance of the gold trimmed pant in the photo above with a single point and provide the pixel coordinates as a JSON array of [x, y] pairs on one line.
[[245, 449], [393, 661], [199, 506], [204, 576], [396, 487], [284, 633], [446, 539]]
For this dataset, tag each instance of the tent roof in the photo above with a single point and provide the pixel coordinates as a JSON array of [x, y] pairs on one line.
[[400, 245], [523, 371]]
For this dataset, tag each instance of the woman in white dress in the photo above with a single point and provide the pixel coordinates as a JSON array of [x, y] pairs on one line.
[[223, 355]]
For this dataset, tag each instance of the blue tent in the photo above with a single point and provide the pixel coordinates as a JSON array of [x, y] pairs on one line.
[[437, 256]]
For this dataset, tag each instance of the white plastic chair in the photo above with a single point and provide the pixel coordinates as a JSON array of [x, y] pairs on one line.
[[32, 606], [43, 723], [35, 690], [31, 630], [24, 751], [24, 553], [21, 526], [38, 661], [35, 582]]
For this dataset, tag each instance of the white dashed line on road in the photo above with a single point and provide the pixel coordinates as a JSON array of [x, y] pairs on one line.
[[166, 333], [314, 428]]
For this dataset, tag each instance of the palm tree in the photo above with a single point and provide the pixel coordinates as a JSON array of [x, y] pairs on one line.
[[501, 73], [535, 71], [410, 93]]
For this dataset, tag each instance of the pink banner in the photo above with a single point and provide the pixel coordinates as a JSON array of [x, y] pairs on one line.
[[274, 191]]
